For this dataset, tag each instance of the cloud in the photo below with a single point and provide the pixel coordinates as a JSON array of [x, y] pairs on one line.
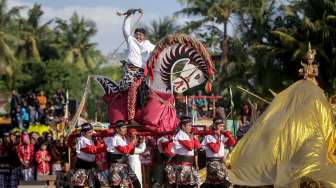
[[109, 35]]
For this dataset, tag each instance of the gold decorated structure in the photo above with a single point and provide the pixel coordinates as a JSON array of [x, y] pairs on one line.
[[293, 141], [309, 69]]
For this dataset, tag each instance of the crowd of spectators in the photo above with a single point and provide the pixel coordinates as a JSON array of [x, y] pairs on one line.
[[25, 155], [36, 108]]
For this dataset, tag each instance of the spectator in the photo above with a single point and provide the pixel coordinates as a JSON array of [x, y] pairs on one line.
[[246, 111], [202, 104], [194, 113], [34, 135], [34, 142], [32, 106], [58, 155], [59, 102], [244, 126], [43, 158], [4, 165], [26, 155], [19, 117], [220, 112], [14, 102], [42, 100], [24, 115], [14, 162]]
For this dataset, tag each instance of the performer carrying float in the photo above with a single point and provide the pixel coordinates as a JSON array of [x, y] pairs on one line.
[[85, 167], [181, 171], [165, 153], [216, 146], [118, 148]]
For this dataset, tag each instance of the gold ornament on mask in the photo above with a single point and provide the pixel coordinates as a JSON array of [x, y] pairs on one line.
[[309, 69]]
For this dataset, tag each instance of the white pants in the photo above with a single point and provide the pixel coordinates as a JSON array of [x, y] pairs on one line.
[[27, 174], [135, 164]]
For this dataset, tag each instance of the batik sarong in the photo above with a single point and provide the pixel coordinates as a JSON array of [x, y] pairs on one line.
[[182, 175], [122, 175], [131, 74], [103, 177], [216, 173], [84, 174]]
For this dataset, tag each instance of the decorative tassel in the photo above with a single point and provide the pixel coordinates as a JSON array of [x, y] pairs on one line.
[[208, 87]]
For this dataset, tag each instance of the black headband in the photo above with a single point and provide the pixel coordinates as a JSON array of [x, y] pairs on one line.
[[120, 123], [140, 30], [185, 119], [218, 121], [86, 127]]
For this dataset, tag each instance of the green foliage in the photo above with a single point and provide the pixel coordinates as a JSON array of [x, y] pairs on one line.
[[73, 41], [30, 77], [34, 42], [268, 43], [63, 75], [158, 29]]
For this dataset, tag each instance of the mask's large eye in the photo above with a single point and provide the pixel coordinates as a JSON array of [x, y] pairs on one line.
[[198, 76]]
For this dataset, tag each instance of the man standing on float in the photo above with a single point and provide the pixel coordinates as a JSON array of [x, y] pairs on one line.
[[138, 52]]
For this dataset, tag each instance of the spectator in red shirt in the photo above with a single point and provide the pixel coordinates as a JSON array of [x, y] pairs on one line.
[[43, 158], [26, 156]]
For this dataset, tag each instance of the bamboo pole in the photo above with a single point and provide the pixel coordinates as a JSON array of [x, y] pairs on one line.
[[273, 93], [254, 95]]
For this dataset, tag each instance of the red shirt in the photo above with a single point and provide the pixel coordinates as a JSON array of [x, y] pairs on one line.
[[26, 154], [43, 165]]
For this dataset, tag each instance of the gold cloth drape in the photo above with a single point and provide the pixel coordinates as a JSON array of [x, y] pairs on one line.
[[293, 138]]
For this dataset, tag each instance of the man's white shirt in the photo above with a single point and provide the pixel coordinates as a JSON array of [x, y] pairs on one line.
[[179, 149], [138, 52], [114, 141], [82, 142], [211, 139]]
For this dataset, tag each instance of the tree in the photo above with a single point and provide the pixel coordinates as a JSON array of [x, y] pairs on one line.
[[8, 40], [33, 33], [158, 29], [30, 78], [73, 41], [211, 12], [306, 21], [256, 23], [59, 74]]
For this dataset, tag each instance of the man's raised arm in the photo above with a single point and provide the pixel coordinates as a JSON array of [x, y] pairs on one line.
[[127, 26]]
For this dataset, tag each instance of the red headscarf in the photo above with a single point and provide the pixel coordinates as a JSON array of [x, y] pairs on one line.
[[25, 139]]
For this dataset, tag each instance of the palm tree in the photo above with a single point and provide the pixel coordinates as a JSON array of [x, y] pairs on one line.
[[211, 11], [256, 22], [8, 39], [33, 33], [158, 29], [303, 22], [73, 41]]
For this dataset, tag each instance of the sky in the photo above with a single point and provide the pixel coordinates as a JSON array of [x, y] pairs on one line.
[[103, 12]]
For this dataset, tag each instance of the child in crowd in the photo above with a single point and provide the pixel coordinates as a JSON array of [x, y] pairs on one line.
[[43, 158]]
